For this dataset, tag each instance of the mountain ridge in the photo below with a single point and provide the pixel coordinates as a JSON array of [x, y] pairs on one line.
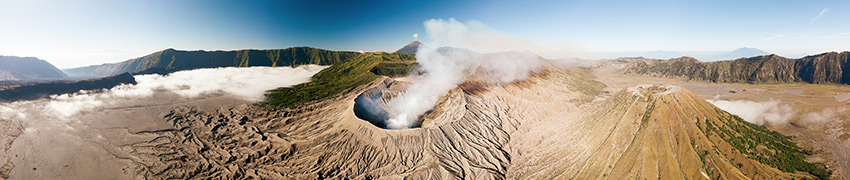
[[14, 68], [824, 68], [176, 60]]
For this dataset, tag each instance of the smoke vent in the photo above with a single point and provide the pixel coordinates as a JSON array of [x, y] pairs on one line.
[[372, 105]]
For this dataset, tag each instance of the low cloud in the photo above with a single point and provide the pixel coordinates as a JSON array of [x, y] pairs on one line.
[[823, 117], [248, 84], [761, 113]]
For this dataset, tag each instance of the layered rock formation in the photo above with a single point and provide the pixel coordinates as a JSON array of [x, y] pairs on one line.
[[823, 68]]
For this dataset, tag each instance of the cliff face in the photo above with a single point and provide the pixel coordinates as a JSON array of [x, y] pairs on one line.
[[28, 69], [37, 91], [170, 60], [822, 68], [825, 68]]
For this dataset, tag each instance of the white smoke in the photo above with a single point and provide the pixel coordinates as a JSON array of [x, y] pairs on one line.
[[475, 36], [248, 84], [826, 116], [448, 67], [416, 36], [761, 113]]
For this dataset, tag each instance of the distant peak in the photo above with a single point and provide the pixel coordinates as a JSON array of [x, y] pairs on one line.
[[749, 49], [414, 43], [410, 48]]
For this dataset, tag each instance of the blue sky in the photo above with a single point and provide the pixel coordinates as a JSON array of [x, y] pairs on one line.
[[87, 32]]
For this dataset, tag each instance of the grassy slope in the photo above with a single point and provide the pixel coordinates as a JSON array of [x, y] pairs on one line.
[[765, 146], [348, 74]]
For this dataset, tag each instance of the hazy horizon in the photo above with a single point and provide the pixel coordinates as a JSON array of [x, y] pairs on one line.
[[75, 34]]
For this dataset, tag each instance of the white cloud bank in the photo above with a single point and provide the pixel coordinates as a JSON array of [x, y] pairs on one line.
[[761, 113], [245, 83]]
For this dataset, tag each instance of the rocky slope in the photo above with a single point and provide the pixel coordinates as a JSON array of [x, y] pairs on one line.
[[558, 124], [14, 68], [171, 60], [823, 68]]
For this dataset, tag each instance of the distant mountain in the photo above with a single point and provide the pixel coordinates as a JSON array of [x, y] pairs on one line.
[[42, 90], [171, 60], [826, 68], [14, 68], [737, 53], [410, 48]]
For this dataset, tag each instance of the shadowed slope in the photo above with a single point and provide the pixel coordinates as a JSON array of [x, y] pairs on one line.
[[826, 68]]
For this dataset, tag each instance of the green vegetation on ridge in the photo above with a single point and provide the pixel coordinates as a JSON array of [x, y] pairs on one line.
[[346, 75], [763, 145]]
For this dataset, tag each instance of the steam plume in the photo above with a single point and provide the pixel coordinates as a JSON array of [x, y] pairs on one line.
[[767, 112], [447, 67], [416, 36]]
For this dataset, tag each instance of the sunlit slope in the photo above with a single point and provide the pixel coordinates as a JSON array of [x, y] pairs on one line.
[[665, 132]]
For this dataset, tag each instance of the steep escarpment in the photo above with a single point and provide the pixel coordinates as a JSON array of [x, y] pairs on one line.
[[825, 68], [821, 68], [557, 124], [171, 60]]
